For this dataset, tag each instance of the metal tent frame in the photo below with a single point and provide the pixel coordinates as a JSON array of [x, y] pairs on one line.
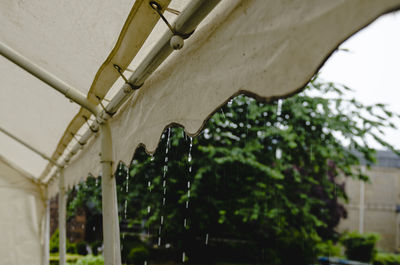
[[184, 26]]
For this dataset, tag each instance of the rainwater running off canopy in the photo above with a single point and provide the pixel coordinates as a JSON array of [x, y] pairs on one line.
[[266, 48]]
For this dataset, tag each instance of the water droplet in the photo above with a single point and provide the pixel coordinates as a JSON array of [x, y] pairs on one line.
[[126, 207], [278, 153], [183, 257], [190, 150], [159, 241], [163, 201], [94, 228], [162, 219], [206, 239], [223, 114], [184, 222], [188, 184], [279, 108], [127, 183], [145, 262], [164, 182], [187, 204], [148, 209], [148, 184], [188, 193]]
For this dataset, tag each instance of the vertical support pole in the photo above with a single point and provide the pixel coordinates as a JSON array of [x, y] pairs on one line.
[[46, 234], [362, 204], [397, 227], [62, 217], [111, 237]]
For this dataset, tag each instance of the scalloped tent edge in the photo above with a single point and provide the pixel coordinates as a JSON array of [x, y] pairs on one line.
[[271, 53]]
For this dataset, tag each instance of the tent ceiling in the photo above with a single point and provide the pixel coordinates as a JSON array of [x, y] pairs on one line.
[[77, 41], [71, 39], [80, 41], [271, 53], [33, 111]]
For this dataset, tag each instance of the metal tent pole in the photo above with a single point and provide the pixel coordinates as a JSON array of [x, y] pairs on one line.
[[46, 234], [61, 204], [111, 236], [110, 216], [62, 207], [185, 24], [30, 147]]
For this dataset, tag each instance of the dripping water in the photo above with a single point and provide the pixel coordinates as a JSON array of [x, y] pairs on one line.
[[223, 114], [127, 180], [164, 185], [278, 152], [185, 220], [125, 208]]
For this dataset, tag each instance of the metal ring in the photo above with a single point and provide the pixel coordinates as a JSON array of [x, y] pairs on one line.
[[157, 7], [119, 70]]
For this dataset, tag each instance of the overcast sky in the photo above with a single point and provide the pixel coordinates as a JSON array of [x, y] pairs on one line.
[[372, 67]]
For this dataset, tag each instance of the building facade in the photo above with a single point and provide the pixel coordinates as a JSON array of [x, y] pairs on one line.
[[374, 206]]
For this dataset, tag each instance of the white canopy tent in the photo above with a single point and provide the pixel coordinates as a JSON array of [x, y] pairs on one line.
[[87, 50]]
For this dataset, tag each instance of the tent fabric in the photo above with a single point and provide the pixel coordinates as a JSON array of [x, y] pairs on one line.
[[32, 111], [77, 41], [126, 48], [268, 49], [70, 39], [21, 217]]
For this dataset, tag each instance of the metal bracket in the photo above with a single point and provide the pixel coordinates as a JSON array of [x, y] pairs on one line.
[[91, 127], [157, 7], [104, 108], [119, 70]]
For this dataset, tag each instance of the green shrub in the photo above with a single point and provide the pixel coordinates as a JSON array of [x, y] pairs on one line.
[[71, 248], [328, 249], [91, 260], [95, 246], [54, 242], [128, 242], [387, 259], [360, 247], [138, 255], [81, 248], [70, 258]]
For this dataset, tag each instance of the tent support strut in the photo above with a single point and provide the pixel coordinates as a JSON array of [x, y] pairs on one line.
[[62, 206], [112, 254], [111, 235]]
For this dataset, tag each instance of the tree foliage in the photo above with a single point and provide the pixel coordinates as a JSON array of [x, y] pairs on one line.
[[262, 177]]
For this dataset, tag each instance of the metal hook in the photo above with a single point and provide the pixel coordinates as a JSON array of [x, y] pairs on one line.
[[157, 7], [119, 70], [104, 107]]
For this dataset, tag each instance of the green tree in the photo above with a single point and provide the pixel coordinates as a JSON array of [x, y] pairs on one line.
[[263, 178]]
